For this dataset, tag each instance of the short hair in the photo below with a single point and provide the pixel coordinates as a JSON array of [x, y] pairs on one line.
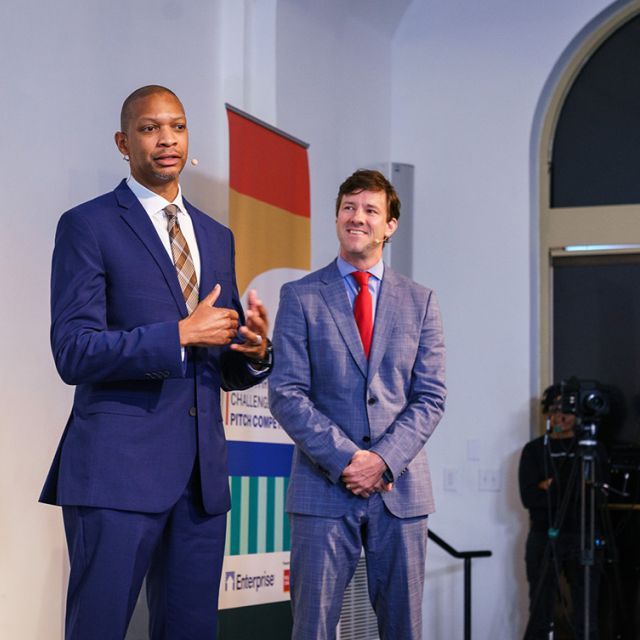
[[370, 180], [126, 112], [550, 395]]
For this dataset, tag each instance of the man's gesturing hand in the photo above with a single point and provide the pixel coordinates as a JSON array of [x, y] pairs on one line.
[[363, 475], [254, 333], [208, 326]]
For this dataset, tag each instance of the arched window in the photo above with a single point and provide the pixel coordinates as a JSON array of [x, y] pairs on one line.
[[589, 249], [595, 158]]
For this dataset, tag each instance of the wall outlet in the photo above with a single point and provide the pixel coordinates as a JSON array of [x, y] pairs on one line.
[[489, 480]]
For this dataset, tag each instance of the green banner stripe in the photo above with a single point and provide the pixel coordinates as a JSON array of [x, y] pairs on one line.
[[244, 515], [271, 497], [253, 516], [257, 523], [236, 510]]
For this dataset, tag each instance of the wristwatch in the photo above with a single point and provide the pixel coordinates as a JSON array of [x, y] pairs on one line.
[[267, 361]]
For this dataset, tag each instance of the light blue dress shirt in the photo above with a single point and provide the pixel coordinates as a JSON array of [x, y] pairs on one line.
[[377, 271]]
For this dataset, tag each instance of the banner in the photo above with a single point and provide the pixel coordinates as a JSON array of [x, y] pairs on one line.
[[269, 214]]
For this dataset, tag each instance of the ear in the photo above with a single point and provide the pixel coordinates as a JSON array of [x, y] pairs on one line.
[[391, 227], [121, 142]]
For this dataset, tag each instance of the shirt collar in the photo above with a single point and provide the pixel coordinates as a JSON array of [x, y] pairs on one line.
[[345, 268], [152, 202]]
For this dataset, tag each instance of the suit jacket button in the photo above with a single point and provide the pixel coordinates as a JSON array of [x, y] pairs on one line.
[[193, 412], [366, 439], [372, 400]]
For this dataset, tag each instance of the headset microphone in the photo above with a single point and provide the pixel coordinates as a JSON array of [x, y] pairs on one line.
[[194, 162]]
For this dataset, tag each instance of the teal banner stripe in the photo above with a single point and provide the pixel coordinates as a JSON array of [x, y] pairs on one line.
[[253, 515], [234, 520], [257, 523], [271, 493]]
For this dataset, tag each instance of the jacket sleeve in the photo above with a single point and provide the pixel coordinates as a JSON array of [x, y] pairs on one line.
[[235, 368], [85, 349], [290, 397], [411, 429], [530, 473]]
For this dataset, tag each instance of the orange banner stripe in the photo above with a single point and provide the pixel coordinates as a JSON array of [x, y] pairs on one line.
[[267, 166], [267, 237]]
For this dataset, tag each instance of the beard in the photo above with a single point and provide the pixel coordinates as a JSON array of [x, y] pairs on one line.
[[166, 176]]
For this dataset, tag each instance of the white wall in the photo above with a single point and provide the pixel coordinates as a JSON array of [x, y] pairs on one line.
[[334, 84], [452, 91], [467, 77]]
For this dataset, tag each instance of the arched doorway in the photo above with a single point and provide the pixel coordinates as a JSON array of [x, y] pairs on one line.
[[589, 218], [588, 263]]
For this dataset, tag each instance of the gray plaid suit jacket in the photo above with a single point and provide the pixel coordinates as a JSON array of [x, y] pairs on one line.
[[332, 402]]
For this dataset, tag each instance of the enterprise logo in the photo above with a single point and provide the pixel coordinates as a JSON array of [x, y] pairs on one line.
[[238, 582]]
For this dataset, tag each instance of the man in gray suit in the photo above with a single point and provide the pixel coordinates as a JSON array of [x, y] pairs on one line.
[[359, 386]]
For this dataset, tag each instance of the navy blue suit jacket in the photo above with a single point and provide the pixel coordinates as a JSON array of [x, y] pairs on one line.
[[141, 415]]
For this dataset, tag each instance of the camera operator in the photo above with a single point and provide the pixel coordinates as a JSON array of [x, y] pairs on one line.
[[549, 469]]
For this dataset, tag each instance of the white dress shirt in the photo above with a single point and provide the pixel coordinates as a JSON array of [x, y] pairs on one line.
[[154, 204]]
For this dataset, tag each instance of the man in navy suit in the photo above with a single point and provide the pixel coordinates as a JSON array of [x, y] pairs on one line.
[[141, 470], [360, 399]]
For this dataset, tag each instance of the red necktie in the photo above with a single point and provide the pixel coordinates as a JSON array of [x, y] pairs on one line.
[[363, 309]]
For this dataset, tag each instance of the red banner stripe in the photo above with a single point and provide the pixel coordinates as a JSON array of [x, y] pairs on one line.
[[268, 167]]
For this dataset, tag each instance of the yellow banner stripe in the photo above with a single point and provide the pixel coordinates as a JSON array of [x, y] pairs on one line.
[[267, 237]]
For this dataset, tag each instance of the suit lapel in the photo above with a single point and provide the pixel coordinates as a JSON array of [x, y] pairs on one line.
[[133, 213], [335, 297], [387, 310]]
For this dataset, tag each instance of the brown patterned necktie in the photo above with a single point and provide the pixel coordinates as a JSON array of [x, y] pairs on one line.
[[182, 259]]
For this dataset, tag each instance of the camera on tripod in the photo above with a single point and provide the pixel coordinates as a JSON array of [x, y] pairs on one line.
[[588, 400]]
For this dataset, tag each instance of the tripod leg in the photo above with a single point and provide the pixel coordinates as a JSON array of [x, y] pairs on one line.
[[540, 559], [543, 591]]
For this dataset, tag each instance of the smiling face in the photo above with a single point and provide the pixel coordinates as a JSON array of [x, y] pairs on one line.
[[362, 227], [157, 142]]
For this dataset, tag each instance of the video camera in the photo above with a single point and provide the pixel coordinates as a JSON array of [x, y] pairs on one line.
[[586, 399]]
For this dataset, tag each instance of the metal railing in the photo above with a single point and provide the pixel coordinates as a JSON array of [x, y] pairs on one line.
[[467, 556]]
